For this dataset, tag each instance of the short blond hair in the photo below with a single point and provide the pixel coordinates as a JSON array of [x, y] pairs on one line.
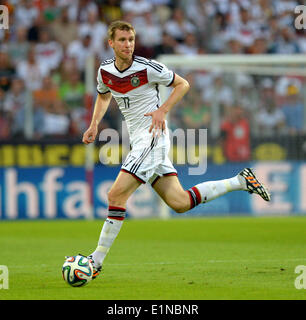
[[119, 25]]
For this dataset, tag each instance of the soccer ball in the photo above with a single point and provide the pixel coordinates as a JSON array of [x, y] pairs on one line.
[[77, 271]]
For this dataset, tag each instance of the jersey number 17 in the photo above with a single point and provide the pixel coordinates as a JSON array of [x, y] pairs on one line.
[[126, 101]]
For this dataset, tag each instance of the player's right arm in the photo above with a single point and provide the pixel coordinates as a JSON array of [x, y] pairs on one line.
[[101, 105]]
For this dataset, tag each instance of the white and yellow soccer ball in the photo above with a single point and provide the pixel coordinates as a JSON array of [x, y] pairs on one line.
[[77, 271]]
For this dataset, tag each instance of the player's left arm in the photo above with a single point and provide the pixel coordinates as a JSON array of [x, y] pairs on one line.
[[180, 88]]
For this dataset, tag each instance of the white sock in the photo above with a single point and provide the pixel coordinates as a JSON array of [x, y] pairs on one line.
[[210, 190], [109, 232]]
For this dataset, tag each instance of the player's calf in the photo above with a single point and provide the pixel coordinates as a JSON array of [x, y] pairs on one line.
[[182, 205]]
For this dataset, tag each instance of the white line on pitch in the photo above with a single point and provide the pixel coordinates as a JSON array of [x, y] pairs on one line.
[[209, 261]]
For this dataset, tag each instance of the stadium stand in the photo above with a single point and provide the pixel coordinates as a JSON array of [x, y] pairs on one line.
[[45, 49]]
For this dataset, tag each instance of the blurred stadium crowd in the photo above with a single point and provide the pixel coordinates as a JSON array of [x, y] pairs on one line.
[[47, 43]]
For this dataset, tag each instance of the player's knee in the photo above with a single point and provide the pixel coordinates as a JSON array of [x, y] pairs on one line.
[[110, 196], [114, 196]]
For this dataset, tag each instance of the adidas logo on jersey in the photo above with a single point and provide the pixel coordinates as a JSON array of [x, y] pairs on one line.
[[110, 82]]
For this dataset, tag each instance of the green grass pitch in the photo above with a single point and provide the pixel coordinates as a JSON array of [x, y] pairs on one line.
[[177, 259]]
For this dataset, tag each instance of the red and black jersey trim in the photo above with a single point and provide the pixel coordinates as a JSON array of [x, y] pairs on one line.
[[134, 175], [169, 174], [124, 84], [164, 175]]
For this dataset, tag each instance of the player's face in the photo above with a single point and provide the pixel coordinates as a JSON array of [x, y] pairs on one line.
[[123, 44]]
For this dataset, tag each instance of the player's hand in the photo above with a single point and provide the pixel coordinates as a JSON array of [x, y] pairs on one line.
[[89, 135], [158, 121]]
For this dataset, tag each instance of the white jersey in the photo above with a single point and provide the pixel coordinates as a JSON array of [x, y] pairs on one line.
[[135, 89]]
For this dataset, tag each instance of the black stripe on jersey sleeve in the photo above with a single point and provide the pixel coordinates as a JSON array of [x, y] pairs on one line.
[[156, 65], [171, 80], [153, 65], [103, 92], [147, 64], [106, 62]]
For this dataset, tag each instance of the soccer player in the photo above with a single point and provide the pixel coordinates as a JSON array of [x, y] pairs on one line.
[[134, 83]]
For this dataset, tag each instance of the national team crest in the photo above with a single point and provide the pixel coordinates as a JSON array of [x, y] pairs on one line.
[[135, 81]]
